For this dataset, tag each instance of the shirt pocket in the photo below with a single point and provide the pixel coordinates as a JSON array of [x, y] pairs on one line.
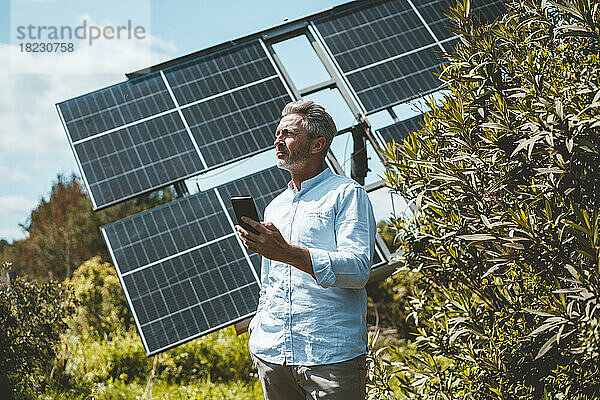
[[316, 229]]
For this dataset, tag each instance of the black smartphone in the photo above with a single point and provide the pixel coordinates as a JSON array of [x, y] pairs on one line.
[[244, 206]]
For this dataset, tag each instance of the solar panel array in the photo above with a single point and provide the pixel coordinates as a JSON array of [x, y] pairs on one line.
[[182, 268], [151, 131], [390, 51]]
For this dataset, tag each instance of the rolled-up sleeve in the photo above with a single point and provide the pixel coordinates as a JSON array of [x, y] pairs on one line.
[[350, 264]]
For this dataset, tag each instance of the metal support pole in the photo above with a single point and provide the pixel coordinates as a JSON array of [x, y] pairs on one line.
[[358, 162], [181, 189]]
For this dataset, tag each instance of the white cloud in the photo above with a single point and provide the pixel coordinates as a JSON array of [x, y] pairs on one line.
[[33, 143], [14, 175], [28, 118], [12, 234], [12, 204]]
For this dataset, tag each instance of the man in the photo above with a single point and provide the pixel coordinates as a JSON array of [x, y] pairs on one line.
[[308, 338]]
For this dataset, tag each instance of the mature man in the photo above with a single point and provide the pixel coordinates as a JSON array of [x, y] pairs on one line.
[[308, 338]]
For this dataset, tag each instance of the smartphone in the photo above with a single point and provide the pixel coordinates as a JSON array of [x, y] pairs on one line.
[[244, 206]]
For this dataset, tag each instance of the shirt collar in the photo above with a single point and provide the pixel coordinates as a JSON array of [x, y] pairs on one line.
[[312, 182]]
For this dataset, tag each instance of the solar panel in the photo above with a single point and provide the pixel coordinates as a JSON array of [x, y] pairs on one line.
[[181, 266], [400, 130], [378, 259], [435, 15], [386, 51], [232, 103], [166, 126]]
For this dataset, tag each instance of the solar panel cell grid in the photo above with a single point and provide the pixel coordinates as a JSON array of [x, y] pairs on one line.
[[115, 106], [383, 85], [436, 13], [150, 240], [237, 123], [225, 71], [374, 33], [401, 130], [137, 158], [130, 138], [386, 52]]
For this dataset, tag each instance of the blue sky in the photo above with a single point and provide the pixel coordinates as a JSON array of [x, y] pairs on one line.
[[33, 144]]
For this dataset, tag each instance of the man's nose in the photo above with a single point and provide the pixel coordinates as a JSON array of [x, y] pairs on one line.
[[278, 139]]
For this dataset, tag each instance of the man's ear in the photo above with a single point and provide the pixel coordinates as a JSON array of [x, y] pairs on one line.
[[318, 145]]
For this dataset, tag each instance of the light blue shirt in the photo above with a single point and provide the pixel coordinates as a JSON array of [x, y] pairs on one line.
[[303, 320]]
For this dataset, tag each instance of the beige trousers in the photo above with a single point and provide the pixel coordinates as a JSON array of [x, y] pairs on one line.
[[340, 381]]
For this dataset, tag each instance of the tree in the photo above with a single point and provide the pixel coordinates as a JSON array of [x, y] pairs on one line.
[[506, 175], [64, 231]]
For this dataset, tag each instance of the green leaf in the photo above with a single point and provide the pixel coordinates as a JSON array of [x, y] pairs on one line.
[[538, 313], [547, 346], [547, 326], [479, 236]]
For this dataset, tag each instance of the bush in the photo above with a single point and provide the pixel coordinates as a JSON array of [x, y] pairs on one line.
[[505, 174], [221, 356], [102, 308], [89, 362], [93, 360], [32, 317], [388, 300]]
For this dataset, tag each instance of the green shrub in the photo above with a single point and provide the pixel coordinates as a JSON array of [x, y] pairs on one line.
[[102, 308], [88, 362], [220, 357], [387, 303], [506, 176], [119, 390], [32, 317], [93, 360]]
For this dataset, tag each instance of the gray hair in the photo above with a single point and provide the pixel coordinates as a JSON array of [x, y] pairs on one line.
[[316, 121]]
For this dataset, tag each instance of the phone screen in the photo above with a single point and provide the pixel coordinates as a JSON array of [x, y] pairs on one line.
[[244, 206]]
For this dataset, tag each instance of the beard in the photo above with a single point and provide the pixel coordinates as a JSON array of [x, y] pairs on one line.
[[295, 160]]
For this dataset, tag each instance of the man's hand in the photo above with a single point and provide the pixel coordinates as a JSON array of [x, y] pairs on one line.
[[271, 244]]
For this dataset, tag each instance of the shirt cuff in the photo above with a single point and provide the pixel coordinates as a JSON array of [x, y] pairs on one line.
[[321, 264]]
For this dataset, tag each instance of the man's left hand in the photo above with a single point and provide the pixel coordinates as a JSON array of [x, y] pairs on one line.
[[271, 244]]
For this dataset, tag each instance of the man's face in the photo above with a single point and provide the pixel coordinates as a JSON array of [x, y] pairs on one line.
[[292, 145]]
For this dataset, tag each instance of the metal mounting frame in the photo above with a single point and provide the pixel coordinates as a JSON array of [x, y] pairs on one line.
[[336, 81]]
